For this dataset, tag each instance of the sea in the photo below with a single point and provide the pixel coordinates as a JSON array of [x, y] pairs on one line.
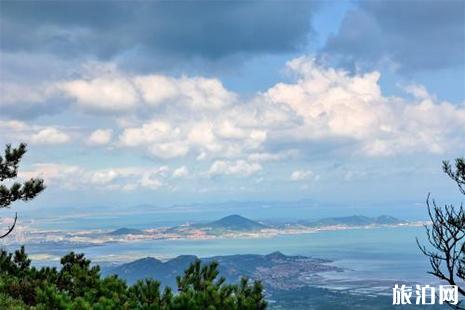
[[370, 257], [374, 258]]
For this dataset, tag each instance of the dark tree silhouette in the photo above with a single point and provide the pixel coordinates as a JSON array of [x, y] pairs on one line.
[[446, 236], [25, 191], [201, 288], [458, 175], [79, 285]]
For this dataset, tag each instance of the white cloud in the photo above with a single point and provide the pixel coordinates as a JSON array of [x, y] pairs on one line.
[[179, 117], [157, 89], [228, 130], [264, 156], [104, 176], [202, 134], [322, 103], [50, 136], [49, 171], [154, 131], [333, 103], [300, 175], [181, 172], [100, 137], [65, 176], [73, 177], [150, 181], [109, 90], [158, 137], [193, 92], [239, 168], [107, 94], [169, 150], [161, 139], [15, 131], [419, 91]]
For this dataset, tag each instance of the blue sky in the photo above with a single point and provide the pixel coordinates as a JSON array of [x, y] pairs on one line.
[[160, 103]]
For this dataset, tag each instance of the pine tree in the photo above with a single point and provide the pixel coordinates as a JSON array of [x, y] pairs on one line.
[[79, 285], [446, 236], [25, 191]]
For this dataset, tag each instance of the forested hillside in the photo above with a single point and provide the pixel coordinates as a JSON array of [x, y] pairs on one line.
[[79, 285]]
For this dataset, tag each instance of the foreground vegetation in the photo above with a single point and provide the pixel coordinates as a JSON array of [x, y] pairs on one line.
[[78, 285], [10, 189], [446, 236]]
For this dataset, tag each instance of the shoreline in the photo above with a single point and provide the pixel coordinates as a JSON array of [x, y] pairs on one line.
[[51, 249]]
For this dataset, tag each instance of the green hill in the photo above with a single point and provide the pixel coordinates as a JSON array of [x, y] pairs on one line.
[[232, 267], [233, 222], [126, 231]]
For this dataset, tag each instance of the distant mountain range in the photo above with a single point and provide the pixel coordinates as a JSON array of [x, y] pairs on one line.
[[292, 271], [242, 224], [233, 222], [126, 231], [356, 220], [291, 282]]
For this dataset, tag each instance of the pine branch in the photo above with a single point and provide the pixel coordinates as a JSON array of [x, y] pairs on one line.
[[25, 191]]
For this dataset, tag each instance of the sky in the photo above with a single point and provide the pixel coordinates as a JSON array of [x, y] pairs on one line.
[[164, 103]]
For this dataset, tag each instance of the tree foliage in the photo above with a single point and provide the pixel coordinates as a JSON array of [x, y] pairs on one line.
[[9, 164], [446, 236], [78, 285]]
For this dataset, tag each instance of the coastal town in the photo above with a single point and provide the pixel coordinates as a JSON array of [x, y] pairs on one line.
[[230, 227]]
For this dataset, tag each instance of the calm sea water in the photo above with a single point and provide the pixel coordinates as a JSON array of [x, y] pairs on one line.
[[366, 254]]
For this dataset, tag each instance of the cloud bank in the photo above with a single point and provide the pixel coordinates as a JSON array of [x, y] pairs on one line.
[[198, 117], [106, 30], [410, 36]]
